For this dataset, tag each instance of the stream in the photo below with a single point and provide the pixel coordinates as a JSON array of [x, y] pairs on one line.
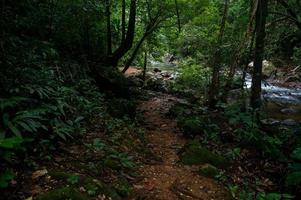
[[281, 103]]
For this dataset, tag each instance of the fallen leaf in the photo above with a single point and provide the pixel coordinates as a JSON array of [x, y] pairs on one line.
[[39, 173]]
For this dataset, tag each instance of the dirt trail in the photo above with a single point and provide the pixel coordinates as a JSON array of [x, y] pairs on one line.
[[169, 180]]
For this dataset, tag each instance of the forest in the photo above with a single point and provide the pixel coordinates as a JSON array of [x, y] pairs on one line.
[[150, 100]]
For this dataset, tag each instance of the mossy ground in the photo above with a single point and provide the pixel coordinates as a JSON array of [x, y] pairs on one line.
[[195, 154]]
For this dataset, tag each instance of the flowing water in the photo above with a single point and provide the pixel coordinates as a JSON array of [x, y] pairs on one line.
[[280, 102]]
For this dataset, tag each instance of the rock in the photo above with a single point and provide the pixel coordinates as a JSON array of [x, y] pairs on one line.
[[119, 108], [194, 154], [157, 70], [166, 74], [268, 68], [208, 170], [289, 122], [288, 110], [270, 121]]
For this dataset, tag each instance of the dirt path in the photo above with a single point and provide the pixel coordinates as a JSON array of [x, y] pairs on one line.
[[169, 180]]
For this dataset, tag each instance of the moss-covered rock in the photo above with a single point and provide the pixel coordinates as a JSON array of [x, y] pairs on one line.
[[194, 154], [93, 187], [65, 193], [208, 170], [58, 175], [122, 107], [191, 126]]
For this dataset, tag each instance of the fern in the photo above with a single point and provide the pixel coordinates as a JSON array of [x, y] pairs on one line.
[[11, 102]]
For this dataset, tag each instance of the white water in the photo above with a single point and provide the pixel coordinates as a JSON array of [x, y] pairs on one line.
[[277, 93]]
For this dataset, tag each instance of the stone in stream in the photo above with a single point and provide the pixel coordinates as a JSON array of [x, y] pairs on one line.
[[288, 110], [157, 70], [270, 121], [289, 122]]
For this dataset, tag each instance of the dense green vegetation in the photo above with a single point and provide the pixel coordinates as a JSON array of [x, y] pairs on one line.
[[62, 86]]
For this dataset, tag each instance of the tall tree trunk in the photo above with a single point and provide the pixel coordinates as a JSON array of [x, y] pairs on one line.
[[178, 15], [109, 32], [261, 16], [129, 39], [215, 82], [123, 22], [135, 52]]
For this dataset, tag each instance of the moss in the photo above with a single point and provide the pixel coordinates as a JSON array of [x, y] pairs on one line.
[[92, 186], [194, 154], [122, 107], [123, 187], [208, 170], [112, 163], [66, 193], [60, 175], [191, 126]]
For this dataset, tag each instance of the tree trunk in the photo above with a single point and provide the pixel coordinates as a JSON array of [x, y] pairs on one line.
[[215, 82], [178, 15], [109, 32], [261, 16], [123, 22], [128, 42], [144, 66], [238, 54]]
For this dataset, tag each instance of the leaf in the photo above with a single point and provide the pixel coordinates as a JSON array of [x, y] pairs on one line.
[[5, 178], [293, 179], [39, 173], [296, 154], [11, 143], [273, 196], [73, 179], [14, 129]]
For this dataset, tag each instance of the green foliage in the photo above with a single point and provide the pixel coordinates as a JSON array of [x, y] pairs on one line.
[[73, 179], [192, 76], [198, 125], [273, 196], [11, 143], [296, 154], [248, 131], [5, 179], [63, 194]]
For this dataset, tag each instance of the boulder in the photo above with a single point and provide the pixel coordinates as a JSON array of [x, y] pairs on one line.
[[268, 68], [194, 154], [208, 170]]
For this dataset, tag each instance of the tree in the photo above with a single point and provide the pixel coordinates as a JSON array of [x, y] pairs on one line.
[[215, 82], [240, 50], [261, 15]]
